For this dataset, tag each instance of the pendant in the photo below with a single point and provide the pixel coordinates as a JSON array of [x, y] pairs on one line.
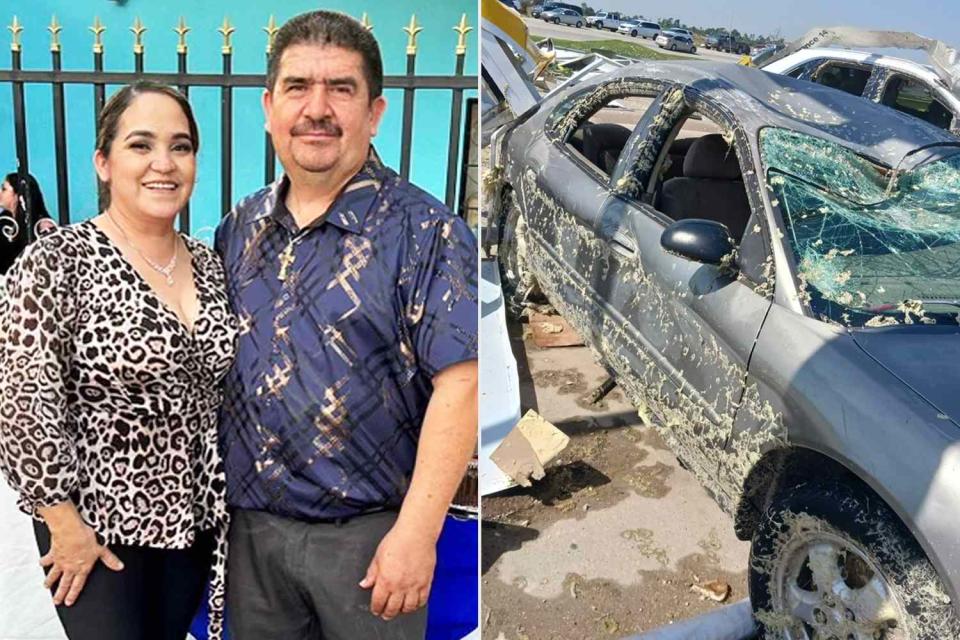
[[287, 258]]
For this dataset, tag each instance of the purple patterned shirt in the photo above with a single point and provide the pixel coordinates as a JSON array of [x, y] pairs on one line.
[[343, 324]]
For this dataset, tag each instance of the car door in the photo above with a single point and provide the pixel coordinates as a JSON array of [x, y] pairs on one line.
[[695, 323], [565, 196]]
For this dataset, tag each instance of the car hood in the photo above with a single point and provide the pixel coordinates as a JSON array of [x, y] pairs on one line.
[[924, 358]]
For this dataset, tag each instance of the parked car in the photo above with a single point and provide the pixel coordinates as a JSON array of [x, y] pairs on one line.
[[563, 16], [907, 86], [641, 29], [538, 10], [779, 300], [675, 41], [604, 20]]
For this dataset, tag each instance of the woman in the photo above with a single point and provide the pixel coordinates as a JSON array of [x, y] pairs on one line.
[[13, 225], [117, 336]]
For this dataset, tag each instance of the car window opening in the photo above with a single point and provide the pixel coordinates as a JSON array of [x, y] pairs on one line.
[[868, 254], [913, 98], [845, 77], [699, 177], [600, 139]]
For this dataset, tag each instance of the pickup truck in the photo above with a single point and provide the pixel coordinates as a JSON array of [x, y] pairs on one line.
[[604, 20], [726, 43]]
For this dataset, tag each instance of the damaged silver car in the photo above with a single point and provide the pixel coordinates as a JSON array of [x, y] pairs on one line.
[[770, 270]]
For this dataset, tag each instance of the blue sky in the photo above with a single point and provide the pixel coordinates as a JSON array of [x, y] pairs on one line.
[[934, 18]]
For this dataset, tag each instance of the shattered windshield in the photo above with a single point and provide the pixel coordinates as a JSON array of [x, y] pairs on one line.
[[874, 246]]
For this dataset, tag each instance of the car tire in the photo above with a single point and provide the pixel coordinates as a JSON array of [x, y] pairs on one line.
[[516, 280], [556, 21], [693, 49], [579, 24], [633, 34], [835, 534]]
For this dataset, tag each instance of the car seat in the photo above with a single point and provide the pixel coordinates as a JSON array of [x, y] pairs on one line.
[[711, 187], [602, 144]]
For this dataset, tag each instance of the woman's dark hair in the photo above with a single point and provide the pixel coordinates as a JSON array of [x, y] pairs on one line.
[[109, 120], [333, 29], [34, 195]]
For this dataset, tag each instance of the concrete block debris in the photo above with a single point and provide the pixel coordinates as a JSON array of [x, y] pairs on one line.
[[529, 446]]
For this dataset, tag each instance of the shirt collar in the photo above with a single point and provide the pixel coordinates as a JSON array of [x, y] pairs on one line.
[[349, 209]]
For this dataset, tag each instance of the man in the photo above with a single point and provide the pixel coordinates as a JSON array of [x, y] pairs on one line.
[[350, 413]]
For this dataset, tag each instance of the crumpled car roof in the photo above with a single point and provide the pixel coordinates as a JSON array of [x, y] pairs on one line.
[[759, 99]]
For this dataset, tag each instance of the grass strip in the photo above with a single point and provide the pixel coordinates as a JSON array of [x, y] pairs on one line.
[[611, 48]]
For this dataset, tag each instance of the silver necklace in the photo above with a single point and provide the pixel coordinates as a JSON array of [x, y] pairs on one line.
[[165, 270]]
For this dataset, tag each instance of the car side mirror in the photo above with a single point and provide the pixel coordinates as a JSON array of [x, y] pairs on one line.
[[703, 241]]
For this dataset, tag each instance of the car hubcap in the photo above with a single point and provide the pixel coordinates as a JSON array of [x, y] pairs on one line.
[[831, 591]]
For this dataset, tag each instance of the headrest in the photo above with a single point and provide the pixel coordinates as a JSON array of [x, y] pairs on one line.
[[711, 157], [606, 136]]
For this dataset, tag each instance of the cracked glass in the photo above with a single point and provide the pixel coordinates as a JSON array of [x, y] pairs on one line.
[[874, 245]]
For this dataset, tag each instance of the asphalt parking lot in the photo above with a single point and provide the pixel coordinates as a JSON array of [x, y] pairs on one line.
[[543, 29], [612, 541]]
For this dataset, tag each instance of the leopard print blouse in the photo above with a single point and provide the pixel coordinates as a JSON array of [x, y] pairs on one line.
[[106, 398]]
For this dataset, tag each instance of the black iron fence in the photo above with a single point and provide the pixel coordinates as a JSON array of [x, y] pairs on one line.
[[98, 79]]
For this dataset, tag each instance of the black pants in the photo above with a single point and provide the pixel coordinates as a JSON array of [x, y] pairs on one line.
[[293, 580], [154, 597]]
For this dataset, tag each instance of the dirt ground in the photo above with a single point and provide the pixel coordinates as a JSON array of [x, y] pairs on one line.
[[609, 543]]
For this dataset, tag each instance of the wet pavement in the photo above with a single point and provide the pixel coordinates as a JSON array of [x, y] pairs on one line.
[[610, 542]]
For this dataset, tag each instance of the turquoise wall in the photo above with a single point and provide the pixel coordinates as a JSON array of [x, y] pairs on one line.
[[431, 125]]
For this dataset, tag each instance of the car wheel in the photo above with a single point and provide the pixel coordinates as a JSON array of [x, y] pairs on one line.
[[829, 560], [693, 49], [579, 24], [515, 277], [556, 21], [633, 33], [673, 47]]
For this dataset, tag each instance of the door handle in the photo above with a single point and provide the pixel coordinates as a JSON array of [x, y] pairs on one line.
[[624, 246]]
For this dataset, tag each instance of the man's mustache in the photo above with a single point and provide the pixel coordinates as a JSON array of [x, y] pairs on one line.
[[325, 126]]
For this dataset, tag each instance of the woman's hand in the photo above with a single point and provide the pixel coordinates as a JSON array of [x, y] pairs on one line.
[[74, 551]]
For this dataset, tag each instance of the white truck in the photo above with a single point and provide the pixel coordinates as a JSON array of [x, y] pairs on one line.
[[605, 20]]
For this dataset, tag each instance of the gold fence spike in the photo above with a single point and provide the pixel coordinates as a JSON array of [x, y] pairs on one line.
[[226, 31], [138, 30], [412, 30], [16, 29], [54, 30], [365, 22], [97, 30], [463, 30], [181, 31], [271, 30]]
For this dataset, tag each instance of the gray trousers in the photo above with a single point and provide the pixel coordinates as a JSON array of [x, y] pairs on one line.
[[292, 580]]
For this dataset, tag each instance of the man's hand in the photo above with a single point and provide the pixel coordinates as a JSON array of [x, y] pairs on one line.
[[401, 572]]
